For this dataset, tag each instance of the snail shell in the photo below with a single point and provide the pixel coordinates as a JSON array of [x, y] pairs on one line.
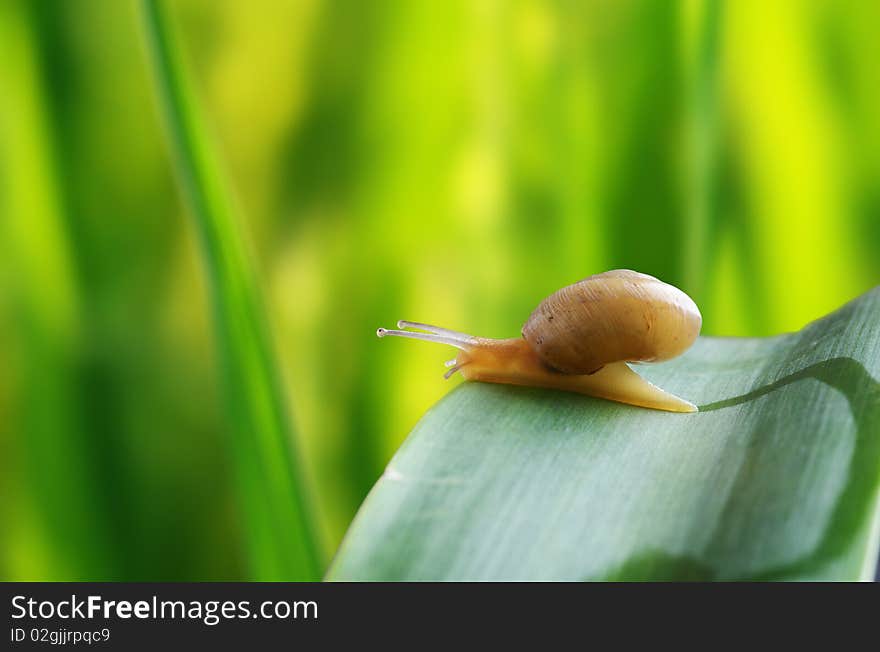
[[619, 315]]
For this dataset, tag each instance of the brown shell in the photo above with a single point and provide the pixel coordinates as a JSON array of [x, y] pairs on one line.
[[619, 315]]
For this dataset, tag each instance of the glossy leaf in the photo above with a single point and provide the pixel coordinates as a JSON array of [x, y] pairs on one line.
[[776, 477]]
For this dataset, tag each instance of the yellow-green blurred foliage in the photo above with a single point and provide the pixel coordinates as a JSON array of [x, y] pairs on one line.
[[449, 161]]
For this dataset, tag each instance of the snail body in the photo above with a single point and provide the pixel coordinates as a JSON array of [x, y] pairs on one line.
[[580, 338]]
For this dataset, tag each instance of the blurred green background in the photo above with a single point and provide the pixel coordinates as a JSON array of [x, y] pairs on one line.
[[446, 161]]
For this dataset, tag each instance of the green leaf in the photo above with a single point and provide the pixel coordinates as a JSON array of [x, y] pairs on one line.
[[776, 477], [281, 543]]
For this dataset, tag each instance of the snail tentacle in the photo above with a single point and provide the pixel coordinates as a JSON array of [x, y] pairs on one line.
[[453, 369], [437, 330], [428, 337]]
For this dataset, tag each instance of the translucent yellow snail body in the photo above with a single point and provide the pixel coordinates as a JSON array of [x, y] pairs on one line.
[[580, 338]]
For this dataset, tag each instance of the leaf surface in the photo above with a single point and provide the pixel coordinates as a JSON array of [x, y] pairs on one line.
[[776, 478]]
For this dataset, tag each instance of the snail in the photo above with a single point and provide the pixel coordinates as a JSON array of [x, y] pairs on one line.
[[580, 339]]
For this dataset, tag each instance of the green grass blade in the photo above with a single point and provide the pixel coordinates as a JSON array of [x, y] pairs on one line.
[[56, 528], [777, 477], [280, 533], [702, 132]]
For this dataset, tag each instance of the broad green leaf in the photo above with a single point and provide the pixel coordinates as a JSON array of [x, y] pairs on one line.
[[776, 477]]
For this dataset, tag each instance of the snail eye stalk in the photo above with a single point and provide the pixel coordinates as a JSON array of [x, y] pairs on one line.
[[437, 330], [436, 334]]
